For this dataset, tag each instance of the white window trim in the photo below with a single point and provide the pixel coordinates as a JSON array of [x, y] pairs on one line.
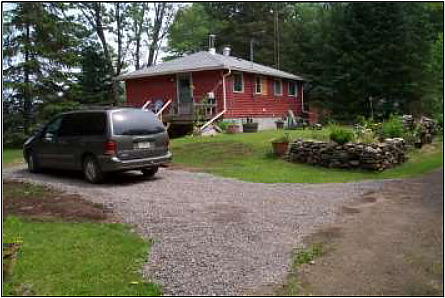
[[296, 89], [242, 82], [274, 89], [261, 85]]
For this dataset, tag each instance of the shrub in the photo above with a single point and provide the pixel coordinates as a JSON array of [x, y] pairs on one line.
[[392, 128], [223, 125], [340, 135], [14, 140], [367, 136], [282, 139]]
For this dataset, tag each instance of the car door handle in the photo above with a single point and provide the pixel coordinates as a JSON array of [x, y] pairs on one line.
[[63, 142]]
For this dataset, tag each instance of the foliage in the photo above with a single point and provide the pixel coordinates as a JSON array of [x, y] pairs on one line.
[[95, 76], [223, 125], [392, 128], [50, 110], [305, 256], [432, 101], [359, 58], [14, 139], [283, 139], [39, 49], [367, 136], [340, 134], [190, 30], [248, 157]]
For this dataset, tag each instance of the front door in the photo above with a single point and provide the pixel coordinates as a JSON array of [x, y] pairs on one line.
[[185, 96]]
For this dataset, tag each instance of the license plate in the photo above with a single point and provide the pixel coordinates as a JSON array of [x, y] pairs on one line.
[[143, 145]]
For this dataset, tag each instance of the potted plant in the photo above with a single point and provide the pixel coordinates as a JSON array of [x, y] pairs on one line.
[[233, 128], [280, 123], [280, 145], [250, 126]]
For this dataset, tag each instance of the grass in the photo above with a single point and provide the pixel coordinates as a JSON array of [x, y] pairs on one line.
[[305, 256], [12, 156], [248, 157], [59, 258], [301, 256]]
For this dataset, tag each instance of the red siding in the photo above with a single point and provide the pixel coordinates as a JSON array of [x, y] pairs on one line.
[[249, 104], [151, 88], [239, 105]]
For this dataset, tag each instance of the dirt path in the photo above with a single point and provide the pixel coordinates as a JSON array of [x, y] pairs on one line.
[[388, 243]]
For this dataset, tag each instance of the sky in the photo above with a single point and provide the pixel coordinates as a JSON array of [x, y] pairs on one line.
[[113, 43]]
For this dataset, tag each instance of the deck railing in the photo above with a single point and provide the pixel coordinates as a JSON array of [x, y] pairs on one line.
[[205, 110]]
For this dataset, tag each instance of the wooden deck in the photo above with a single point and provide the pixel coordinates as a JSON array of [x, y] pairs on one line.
[[201, 112]]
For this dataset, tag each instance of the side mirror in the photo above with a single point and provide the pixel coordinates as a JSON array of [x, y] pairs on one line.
[[49, 137]]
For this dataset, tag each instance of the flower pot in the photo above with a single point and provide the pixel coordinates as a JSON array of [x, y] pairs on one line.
[[280, 148], [280, 124], [233, 128], [250, 127]]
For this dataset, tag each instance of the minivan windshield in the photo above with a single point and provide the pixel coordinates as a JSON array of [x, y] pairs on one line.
[[136, 122]]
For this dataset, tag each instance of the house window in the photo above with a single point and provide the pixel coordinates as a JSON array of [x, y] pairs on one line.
[[293, 89], [278, 87], [258, 85], [238, 82]]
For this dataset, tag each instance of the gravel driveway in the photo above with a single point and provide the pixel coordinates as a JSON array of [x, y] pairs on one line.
[[213, 236]]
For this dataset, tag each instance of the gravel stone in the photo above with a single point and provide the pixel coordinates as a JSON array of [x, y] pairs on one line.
[[212, 235]]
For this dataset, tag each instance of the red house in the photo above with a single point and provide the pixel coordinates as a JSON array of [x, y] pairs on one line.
[[216, 87]]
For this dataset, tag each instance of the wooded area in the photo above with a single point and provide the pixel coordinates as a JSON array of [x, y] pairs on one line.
[[359, 59]]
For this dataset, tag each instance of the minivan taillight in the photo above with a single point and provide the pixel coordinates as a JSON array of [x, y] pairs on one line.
[[110, 148]]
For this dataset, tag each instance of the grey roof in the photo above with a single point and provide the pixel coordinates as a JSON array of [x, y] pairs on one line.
[[207, 61]]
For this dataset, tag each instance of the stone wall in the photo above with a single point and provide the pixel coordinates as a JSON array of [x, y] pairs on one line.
[[351, 155]]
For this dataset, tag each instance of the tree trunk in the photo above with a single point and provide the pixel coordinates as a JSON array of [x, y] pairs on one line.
[[27, 101], [159, 17], [100, 33]]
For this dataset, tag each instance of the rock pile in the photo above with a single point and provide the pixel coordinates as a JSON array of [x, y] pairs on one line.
[[379, 156], [408, 122], [427, 129]]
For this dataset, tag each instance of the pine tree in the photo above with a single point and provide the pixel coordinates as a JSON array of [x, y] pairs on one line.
[[39, 51]]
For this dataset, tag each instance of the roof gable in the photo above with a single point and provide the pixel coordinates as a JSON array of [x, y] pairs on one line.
[[207, 61]]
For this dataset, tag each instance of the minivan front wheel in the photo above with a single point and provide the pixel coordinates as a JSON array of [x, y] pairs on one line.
[[91, 170], [149, 172], [33, 165]]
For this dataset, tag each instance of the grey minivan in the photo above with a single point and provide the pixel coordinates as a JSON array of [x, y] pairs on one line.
[[100, 141]]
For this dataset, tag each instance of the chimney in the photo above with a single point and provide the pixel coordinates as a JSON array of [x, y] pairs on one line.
[[212, 49], [226, 51]]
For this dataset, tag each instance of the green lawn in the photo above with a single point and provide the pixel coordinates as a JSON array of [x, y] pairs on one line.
[[249, 157], [12, 156], [60, 258]]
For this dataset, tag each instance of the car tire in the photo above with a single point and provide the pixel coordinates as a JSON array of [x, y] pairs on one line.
[[150, 172], [33, 163], [92, 171]]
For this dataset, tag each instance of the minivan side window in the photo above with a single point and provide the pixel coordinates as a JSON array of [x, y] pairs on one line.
[[83, 124], [71, 126], [93, 124], [53, 127]]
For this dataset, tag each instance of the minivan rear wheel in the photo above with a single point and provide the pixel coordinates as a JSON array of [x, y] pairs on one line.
[[149, 172], [91, 170], [33, 164]]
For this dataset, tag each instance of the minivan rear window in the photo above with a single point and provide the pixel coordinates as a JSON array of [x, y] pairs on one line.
[[136, 122]]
